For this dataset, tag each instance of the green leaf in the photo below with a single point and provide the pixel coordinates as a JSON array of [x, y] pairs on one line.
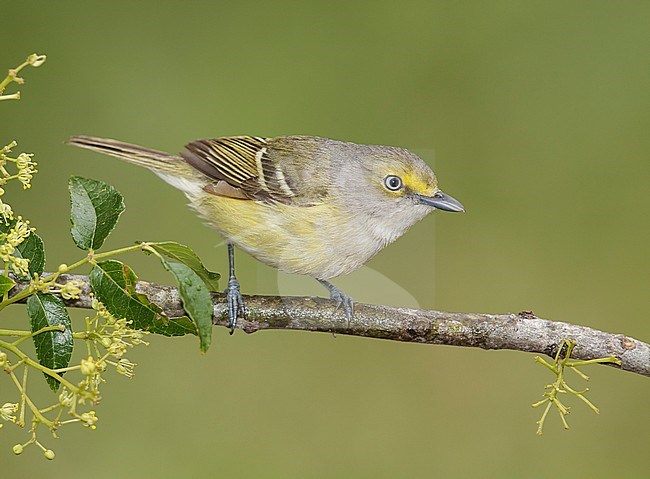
[[196, 299], [114, 284], [6, 284], [32, 249], [95, 209], [53, 348], [185, 255]]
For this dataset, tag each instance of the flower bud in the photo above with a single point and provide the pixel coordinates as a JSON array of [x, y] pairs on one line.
[[88, 366], [7, 149], [36, 60], [7, 411], [24, 161], [89, 419], [125, 367], [66, 398], [72, 289]]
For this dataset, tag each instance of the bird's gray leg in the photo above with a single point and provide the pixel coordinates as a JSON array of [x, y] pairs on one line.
[[340, 298], [233, 296]]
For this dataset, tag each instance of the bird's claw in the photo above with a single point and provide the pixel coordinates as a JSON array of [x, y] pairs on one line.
[[340, 299], [343, 300], [235, 303]]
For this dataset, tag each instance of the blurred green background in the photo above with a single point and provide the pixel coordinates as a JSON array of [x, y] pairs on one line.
[[536, 115]]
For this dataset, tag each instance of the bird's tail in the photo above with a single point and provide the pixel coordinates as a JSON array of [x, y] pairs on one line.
[[155, 160]]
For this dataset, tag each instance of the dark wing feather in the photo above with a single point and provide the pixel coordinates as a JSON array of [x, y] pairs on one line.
[[269, 170], [227, 159]]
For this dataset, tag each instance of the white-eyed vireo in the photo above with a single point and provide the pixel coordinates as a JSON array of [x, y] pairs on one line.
[[301, 204]]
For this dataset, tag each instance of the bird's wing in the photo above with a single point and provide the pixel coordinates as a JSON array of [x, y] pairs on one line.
[[261, 169]]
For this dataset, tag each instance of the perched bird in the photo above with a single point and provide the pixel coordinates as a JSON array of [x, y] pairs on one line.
[[302, 204]]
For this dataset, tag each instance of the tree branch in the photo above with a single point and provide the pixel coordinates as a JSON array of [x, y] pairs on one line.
[[519, 332]]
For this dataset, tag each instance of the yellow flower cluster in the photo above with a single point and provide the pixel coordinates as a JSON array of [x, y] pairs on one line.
[[10, 241], [26, 170], [69, 290], [24, 164], [107, 339]]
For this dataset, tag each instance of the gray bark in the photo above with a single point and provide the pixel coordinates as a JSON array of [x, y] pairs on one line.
[[521, 332]]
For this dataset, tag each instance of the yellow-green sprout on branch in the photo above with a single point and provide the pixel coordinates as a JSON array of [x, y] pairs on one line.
[[12, 76]]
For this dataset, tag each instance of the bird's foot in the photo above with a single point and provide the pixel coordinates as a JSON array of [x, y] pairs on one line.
[[235, 303], [340, 299]]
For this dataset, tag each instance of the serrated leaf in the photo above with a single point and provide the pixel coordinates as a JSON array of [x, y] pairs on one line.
[[114, 285], [185, 255], [32, 248], [53, 348], [6, 284], [95, 208], [196, 299]]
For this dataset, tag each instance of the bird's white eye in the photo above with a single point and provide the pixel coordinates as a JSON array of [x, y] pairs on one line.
[[392, 182]]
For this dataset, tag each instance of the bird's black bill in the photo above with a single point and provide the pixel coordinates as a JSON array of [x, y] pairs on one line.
[[441, 201]]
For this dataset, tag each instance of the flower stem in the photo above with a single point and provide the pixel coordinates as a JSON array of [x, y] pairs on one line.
[[58, 327], [91, 257], [30, 362], [31, 405]]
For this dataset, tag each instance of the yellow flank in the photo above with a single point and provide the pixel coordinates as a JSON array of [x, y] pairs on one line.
[[315, 241]]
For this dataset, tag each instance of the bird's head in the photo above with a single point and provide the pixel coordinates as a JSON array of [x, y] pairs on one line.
[[401, 175], [393, 188]]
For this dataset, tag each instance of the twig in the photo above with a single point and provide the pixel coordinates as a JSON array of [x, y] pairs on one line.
[[521, 332]]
